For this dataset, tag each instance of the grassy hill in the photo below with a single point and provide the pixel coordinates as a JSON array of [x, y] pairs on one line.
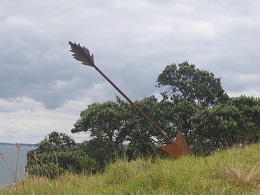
[[234, 171]]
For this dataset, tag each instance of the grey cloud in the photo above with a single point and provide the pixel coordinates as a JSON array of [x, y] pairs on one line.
[[132, 42]]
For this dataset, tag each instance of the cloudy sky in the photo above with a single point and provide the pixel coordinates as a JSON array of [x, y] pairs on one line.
[[43, 89]]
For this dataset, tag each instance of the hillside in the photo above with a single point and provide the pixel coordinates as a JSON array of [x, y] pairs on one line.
[[233, 171]]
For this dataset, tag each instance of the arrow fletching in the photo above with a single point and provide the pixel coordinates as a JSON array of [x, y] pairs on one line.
[[82, 54]]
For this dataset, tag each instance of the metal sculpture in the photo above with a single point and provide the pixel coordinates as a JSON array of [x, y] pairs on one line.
[[174, 149]]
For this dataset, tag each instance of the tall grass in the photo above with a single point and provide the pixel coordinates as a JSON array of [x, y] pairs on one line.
[[234, 171], [15, 169]]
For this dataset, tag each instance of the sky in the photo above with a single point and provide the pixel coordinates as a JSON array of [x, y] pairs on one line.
[[43, 89]]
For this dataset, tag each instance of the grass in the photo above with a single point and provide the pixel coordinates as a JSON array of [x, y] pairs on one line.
[[233, 171], [15, 174]]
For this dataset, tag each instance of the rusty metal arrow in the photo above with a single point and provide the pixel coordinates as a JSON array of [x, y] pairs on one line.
[[177, 149]]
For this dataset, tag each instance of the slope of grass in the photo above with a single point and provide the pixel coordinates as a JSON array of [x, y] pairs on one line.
[[234, 171]]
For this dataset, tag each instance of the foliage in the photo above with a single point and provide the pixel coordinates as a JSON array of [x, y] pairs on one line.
[[225, 125], [102, 150], [180, 118], [141, 137], [58, 150], [188, 90], [191, 84], [116, 124], [101, 120], [55, 141]]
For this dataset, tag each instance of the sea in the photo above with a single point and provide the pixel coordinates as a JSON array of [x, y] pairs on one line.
[[12, 162]]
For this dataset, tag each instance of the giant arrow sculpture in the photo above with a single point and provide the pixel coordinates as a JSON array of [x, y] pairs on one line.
[[174, 149]]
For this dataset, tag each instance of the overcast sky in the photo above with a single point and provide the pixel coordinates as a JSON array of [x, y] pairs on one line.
[[43, 89]]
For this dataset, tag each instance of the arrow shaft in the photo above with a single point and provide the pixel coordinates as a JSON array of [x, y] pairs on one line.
[[135, 106]]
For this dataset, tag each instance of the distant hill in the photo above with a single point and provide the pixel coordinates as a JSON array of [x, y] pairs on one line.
[[20, 144]]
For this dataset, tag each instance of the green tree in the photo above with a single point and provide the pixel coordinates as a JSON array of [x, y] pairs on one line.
[[55, 141], [225, 125], [141, 137], [104, 122], [56, 154], [101, 120], [181, 114], [188, 90], [194, 85], [120, 124], [102, 150]]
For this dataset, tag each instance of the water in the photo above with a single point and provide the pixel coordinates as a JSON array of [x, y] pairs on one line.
[[11, 153]]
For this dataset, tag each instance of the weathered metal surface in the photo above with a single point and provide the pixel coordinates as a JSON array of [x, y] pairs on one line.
[[182, 144], [82, 54], [178, 148], [172, 149]]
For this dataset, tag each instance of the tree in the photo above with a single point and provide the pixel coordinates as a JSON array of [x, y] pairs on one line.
[[191, 84], [119, 123], [101, 120], [181, 114], [102, 150], [141, 137], [58, 149], [187, 91], [55, 142], [224, 125]]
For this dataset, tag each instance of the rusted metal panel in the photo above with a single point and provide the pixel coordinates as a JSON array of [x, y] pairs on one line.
[[182, 144], [172, 149], [177, 148]]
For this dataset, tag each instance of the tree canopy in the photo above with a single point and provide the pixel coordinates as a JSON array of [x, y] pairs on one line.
[[101, 120], [225, 125], [56, 154], [189, 83]]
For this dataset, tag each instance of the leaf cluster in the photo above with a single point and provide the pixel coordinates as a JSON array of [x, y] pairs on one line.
[[57, 154], [189, 83]]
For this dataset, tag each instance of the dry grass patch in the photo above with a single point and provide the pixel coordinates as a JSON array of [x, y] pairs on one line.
[[239, 176]]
